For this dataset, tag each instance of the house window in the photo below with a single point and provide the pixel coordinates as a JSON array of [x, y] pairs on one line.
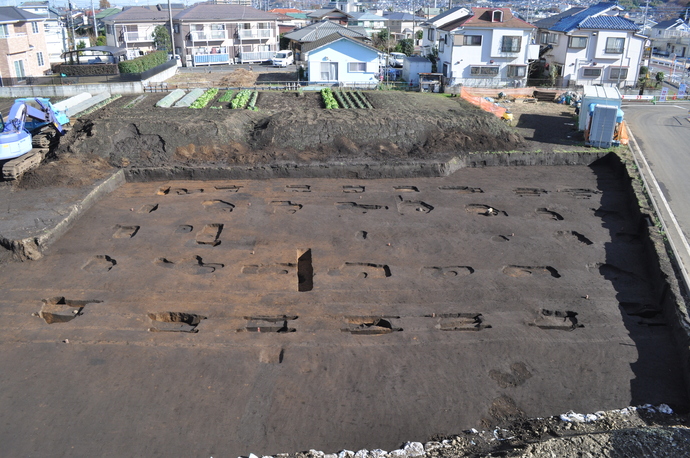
[[547, 38], [19, 69], [39, 58], [446, 69], [176, 28], [591, 72], [497, 16], [329, 71], [4, 31], [441, 45], [517, 71], [357, 66], [618, 73], [34, 27], [511, 44], [471, 40], [431, 35], [615, 45], [484, 70], [577, 42]]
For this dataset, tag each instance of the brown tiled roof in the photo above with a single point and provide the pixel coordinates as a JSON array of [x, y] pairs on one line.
[[481, 17]]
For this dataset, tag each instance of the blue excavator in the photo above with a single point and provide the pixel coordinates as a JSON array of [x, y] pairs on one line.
[[32, 126]]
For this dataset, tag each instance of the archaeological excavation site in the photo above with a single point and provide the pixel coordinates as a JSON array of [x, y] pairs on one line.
[[409, 278]]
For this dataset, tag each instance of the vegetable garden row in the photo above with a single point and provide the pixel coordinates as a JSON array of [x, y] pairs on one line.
[[198, 98], [344, 99], [246, 99]]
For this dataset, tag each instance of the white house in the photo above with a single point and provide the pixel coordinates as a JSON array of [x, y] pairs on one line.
[[55, 28], [340, 59], [594, 45], [671, 37], [480, 47]]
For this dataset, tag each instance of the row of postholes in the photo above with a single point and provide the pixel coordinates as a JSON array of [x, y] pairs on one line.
[[62, 310], [581, 193]]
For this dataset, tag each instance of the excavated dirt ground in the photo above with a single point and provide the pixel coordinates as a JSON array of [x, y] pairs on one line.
[[228, 317]]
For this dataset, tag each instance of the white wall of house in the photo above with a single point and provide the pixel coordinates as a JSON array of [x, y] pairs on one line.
[[591, 57], [476, 56], [344, 62]]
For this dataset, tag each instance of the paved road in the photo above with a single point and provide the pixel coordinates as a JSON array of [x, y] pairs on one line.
[[663, 135]]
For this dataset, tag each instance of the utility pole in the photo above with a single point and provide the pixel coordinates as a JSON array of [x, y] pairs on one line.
[[70, 23], [95, 29], [172, 31]]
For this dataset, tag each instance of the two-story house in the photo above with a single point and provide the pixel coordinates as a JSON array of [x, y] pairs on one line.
[[671, 37], [222, 33], [54, 26], [403, 25], [133, 28], [23, 50], [592, 45], [480, 47]]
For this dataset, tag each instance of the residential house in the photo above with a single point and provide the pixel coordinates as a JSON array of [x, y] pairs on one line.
[[133, 28], [293, 19], [370, 22], [23, 49], [403, 25], [428, 13], [343, 60], [208, 34], [592, 45], [480, 47], [313, 32], [671, 37], [329, 14], [55, 28], [102, 14]]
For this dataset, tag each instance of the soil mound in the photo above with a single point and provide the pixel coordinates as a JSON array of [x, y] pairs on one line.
[[289, 127]]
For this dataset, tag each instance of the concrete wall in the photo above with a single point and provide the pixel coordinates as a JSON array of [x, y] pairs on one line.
[[134, 87]]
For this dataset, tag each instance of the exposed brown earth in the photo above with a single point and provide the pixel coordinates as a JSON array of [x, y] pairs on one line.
[[220, 318]]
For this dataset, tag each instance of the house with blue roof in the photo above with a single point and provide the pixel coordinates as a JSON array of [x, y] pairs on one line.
[[671, 37], [590, 45]]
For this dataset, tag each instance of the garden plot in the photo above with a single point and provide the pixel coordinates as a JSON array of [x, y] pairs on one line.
[[367, 312]]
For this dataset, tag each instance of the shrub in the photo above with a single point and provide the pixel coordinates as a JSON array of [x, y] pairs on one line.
[[143, 63]]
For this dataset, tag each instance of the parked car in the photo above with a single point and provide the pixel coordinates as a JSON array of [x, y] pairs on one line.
[[283, 59], [396, 59]]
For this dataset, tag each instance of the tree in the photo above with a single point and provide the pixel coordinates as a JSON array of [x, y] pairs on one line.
[[660, 76], [103, 4], [405, 46], [419, 34], [433, 57], [81, 45], [161, 39], [101, 41]]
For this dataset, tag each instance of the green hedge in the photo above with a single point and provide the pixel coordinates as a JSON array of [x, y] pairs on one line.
[[86, 69], [143, 63]]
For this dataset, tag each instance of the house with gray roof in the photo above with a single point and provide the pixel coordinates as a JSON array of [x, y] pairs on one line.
[[341, 60], [403, 25], [55, 28], [590, 45], [133, 27], [370, 22], [671, 37], [23, 50], [207, 34], [319, 30]]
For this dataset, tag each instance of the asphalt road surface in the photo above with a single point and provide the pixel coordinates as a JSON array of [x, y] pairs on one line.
[[663, 135]]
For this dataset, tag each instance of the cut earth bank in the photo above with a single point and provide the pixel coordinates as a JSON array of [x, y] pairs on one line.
[[118, 139]]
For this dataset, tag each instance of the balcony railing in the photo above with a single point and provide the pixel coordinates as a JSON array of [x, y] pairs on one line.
[[260, 56], [210, 59], [246, 34], [136, 36], [208, 35]]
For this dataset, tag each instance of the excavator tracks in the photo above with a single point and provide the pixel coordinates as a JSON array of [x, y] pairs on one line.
[[14, 168]]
